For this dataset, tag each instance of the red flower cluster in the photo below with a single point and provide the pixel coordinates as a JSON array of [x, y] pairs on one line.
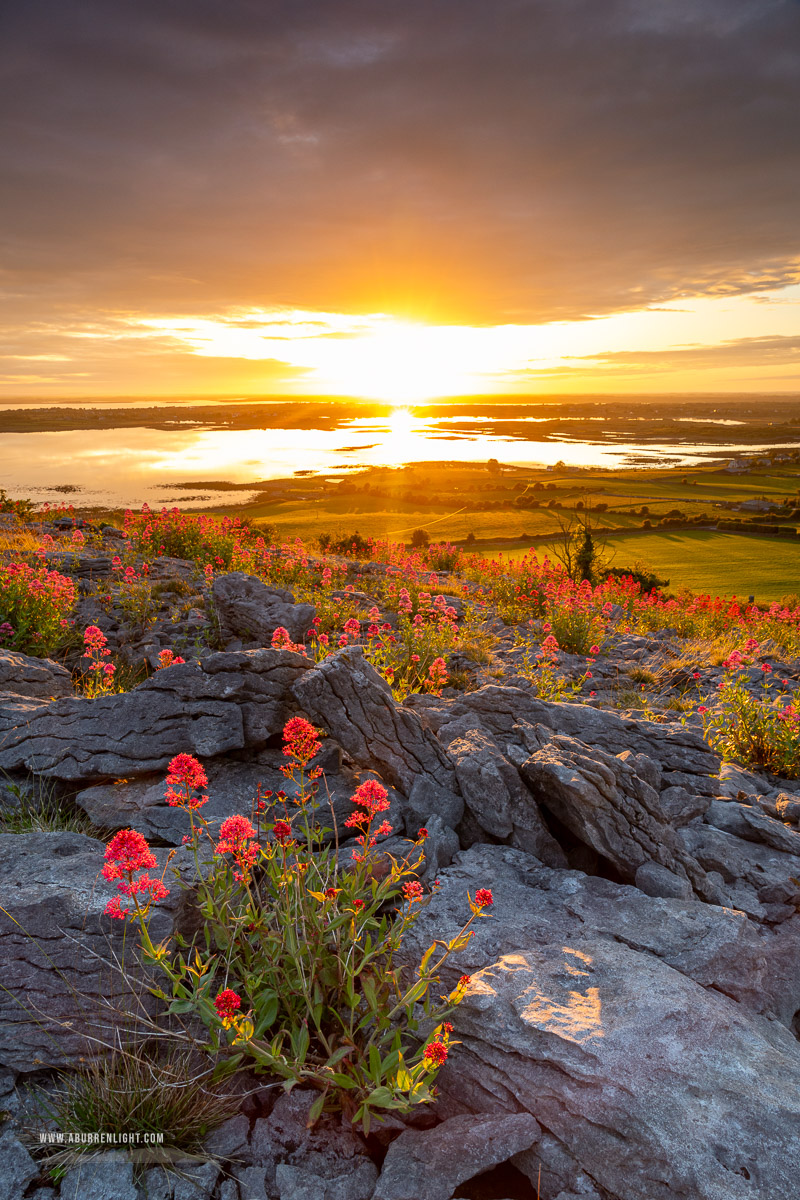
[[185, 777], [413, 891], [373, 798], [434, 1054], [483, 898], [235, 834], [126, 853], [227, 1003], [300, 740], [282, 831]]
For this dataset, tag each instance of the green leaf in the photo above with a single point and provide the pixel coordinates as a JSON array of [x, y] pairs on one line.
[[339, 1054], [374, 1063], [181, 1006], [315, 1112]]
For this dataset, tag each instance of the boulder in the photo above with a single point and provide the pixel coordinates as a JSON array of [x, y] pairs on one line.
[[347, 697], [498, 709], [497, 798], [58, 949], [253, 611], [629, 1027], [223, 702], [756, 876], [430, 1164], [38, 677], [608, 806]]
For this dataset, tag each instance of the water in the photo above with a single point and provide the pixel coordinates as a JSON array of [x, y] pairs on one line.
[[125, 466]]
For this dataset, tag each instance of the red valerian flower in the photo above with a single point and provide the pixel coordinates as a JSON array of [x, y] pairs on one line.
[[185, 776], [357, 904], [115, 909], [465, 981], [282, 831], [422, 834], [127, 851], [413, 891], [371, 795], [434, 1054], [227, 1003], [483, 897], [300, 740], [234, 838]]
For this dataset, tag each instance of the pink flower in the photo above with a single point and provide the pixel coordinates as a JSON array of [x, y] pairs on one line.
[[413, 891], [127, 851], [185, 776], [300, 740], [483, 897]]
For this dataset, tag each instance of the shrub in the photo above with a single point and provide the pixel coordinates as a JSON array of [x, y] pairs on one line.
[[419, 538], [761, 732], [34, 604], [295, 969]]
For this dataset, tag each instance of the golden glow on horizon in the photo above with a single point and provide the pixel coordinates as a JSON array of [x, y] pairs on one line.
[[376, 356]]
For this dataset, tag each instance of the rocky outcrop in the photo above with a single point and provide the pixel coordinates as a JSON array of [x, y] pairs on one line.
[[498, 709], [61, 982], [430, 1164], [636, 1031], [223, 702], [253, 611], [38, 677], [498, 800], [348, 698], [609, 806]]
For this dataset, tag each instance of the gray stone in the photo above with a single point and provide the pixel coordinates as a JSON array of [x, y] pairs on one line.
[[229, 1191], [249, 608], [230, 1140], [609, 807], [100, 1177], [497, 798], [601, 1012], [770, 873], [751, 823], [38, 677], [430, 1164], [315, 1178], [223, 702], [347, 697], [425, 799], [439, 848], [193, 1182], [255, 1183], [17, 1168], [498, 709], [655, 880], [57, 947], [681, 806], [787, 807]]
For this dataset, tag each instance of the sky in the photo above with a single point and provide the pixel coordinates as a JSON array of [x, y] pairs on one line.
[[398, 200]]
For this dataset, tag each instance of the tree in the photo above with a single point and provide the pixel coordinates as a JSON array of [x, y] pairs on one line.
[[575, 548], [420, 538]]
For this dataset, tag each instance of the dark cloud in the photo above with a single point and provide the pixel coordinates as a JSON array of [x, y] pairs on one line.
[[490, 161]]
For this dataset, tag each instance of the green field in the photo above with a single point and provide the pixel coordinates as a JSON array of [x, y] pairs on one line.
[[724, 564]]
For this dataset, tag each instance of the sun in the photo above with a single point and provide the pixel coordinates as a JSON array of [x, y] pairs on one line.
[[400, 362]]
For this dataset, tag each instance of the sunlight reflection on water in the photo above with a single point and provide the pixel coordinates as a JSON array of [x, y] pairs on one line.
[[127, 466]]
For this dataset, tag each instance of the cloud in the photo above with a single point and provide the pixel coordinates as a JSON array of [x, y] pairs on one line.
[[523, 160]]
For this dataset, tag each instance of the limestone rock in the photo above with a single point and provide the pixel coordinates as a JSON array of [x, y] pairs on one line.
[[600, 1011], [223, 702], [608, 806], [249, 608], [430, 1164], [17, 1168], [347, 697], [58, 948], [38, 677], [497, 798]]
